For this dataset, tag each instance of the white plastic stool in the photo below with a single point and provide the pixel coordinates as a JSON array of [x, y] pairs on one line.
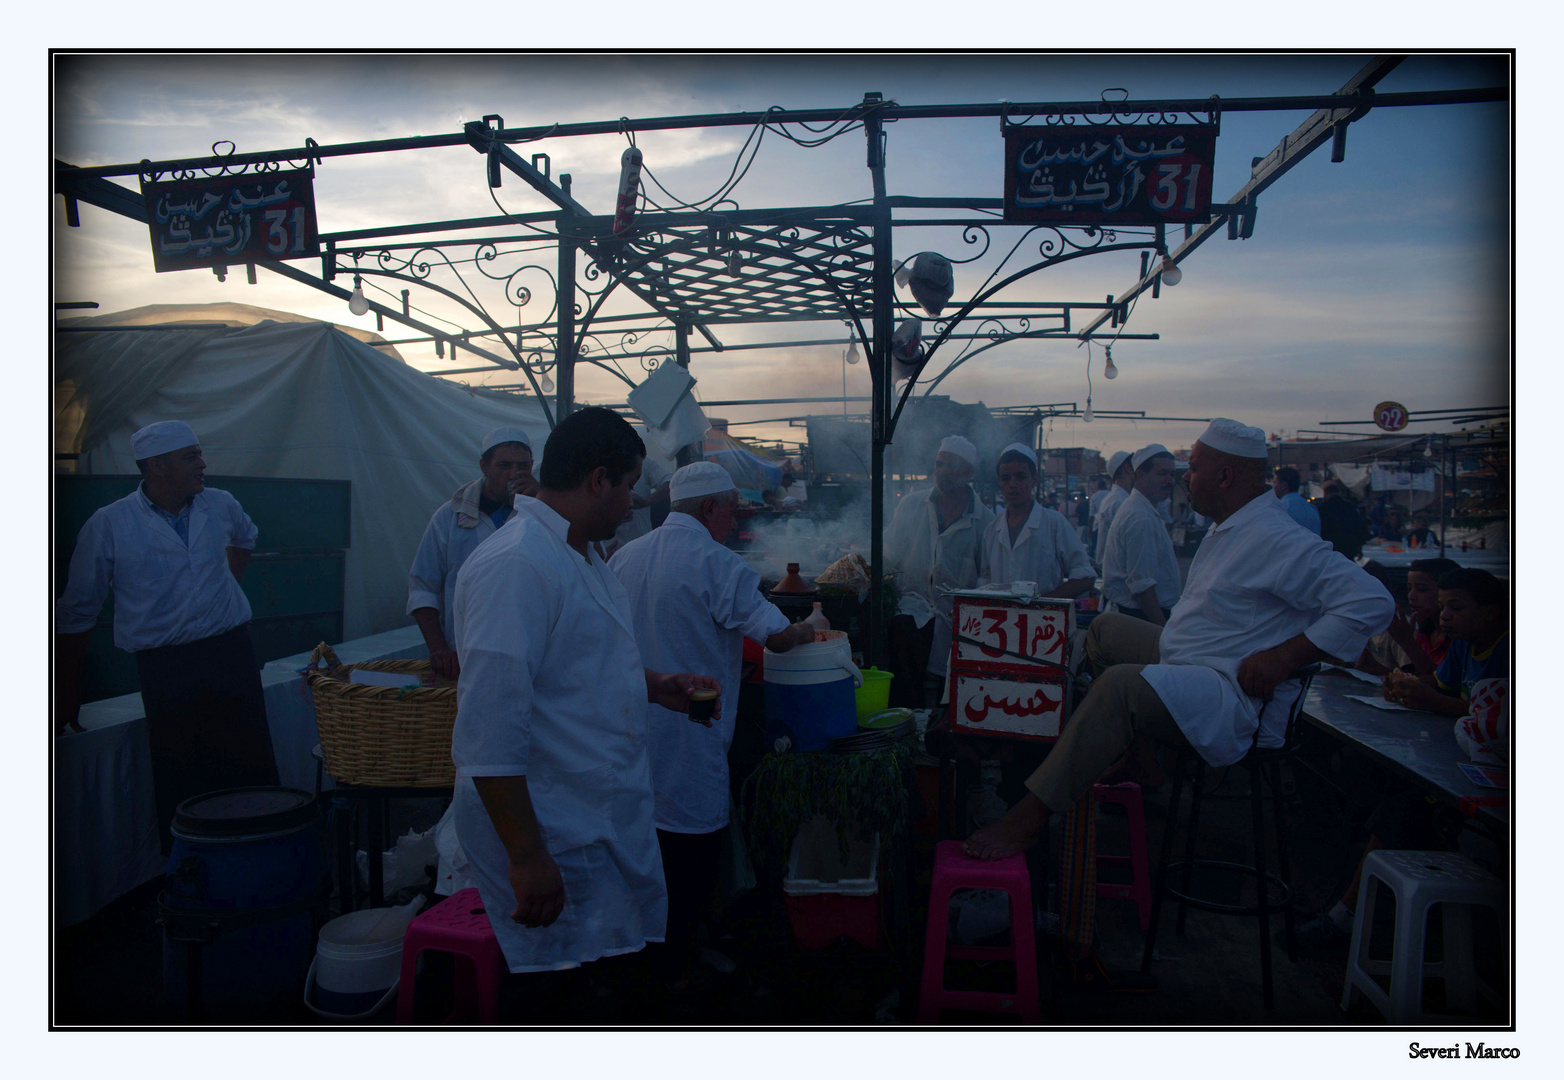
[[1419, 880]]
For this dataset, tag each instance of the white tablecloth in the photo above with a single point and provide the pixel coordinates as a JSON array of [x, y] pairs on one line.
[[1494, 560], [105, 819]]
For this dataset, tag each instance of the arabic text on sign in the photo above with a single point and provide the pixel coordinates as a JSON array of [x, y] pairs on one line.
[[981, 703], [1034, 633]]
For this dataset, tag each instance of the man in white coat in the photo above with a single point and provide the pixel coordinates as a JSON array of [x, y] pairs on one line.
[[694, 602], [173, 551], [1264, 599], [456, 529], [1028, 542], [935, 541], [1123, 475], [1140, 571], [553, 799]]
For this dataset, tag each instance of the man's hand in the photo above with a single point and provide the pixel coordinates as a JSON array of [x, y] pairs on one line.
[[672, 692], [442, 658], [524, 485], [539, 889], [1401, 630], [444, 664], [1259, 675]]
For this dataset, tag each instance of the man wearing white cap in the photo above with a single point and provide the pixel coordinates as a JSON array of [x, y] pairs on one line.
[[1122, 473], [173, 551], [1264, 598], [694, 602], [935, 540], [1140, 571], [1029, 542], [457, 527], [553, 800]]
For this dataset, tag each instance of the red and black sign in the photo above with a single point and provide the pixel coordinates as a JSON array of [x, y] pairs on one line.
[[228, 220], [1137, 175]]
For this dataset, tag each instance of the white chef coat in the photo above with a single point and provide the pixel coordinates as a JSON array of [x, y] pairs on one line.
[[166, 592], [1047, 550], [1094, 504], [693, 603], [1140, 555], [552, 687], [1110, 506], [1257, 581], [446, 544], [639, 522], [931, 561]]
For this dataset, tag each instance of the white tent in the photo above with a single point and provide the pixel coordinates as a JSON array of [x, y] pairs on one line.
[[272, 395]]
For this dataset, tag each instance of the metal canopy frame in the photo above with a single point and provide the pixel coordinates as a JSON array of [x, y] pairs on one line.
[[695, 269]]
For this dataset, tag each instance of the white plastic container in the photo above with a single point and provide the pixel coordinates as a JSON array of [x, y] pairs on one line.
[[815, 864], [358, 962]]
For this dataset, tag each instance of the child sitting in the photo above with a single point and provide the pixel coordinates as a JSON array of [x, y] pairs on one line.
[[1413, 641], [1472, 614]]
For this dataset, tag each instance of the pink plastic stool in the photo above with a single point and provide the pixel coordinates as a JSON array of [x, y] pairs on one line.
[[952, 871], [1127, 795], [459, 925]]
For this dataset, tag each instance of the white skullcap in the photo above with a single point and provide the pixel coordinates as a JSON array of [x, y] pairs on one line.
[[160, 438], [1024, 450], [1147, 452], [1231, 437], [1116, 461], [962, 448], [698, 479], [504, 435]]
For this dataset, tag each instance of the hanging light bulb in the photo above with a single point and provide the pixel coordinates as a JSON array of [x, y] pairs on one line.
[[852, 351], [1171, 274], [1110, 372], [1088, 415], [1428, 451], [735, 262], [548, 384], [357, 303]]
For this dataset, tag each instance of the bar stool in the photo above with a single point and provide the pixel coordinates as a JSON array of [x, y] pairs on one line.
[[1264, 766], [1419, 880], [458, 924], [954, 870], [1128, 796]]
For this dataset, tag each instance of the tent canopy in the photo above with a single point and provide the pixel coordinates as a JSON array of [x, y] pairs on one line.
[[288, 398]]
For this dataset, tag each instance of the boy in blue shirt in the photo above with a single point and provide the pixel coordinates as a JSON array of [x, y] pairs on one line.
[[1472, 615]]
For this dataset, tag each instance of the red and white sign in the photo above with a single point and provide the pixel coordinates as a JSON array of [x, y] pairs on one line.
[[1001, 629], [1009, 705], [1391, 415]]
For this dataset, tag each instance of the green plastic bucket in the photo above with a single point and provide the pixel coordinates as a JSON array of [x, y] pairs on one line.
[[875, 693]]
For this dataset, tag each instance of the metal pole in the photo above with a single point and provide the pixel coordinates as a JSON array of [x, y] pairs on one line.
[[1444, 491], [687, 455], [879, 357], [565, 353]]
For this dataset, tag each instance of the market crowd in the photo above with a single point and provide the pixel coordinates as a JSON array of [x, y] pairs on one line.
[[590, 806]]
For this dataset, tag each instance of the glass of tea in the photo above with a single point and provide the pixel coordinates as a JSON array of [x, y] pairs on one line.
[[703, 705]]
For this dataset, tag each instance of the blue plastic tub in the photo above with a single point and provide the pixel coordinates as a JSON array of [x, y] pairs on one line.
[[241, 901]]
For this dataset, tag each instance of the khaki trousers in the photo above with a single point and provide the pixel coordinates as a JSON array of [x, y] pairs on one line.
[[1120, 707]]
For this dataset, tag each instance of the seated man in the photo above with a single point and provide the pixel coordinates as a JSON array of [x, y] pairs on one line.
[[1263, 599]]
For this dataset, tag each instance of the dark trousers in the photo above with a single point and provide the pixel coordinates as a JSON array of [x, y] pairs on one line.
[[690, 870], [910, 646], [206, 720]]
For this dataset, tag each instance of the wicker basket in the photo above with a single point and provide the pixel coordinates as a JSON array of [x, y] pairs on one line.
[[382, 736]]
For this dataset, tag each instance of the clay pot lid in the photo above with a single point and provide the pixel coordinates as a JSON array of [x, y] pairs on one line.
[[793, 584]]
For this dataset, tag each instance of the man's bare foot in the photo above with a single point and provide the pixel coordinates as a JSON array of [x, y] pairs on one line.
[[1022, 826]]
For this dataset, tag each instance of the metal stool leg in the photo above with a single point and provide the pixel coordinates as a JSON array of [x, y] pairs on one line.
[[1262, 883], [1160, 886], [1289, 921], [1189, 842]]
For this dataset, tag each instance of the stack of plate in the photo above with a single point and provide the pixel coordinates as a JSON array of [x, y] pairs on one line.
[[877, 731]]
